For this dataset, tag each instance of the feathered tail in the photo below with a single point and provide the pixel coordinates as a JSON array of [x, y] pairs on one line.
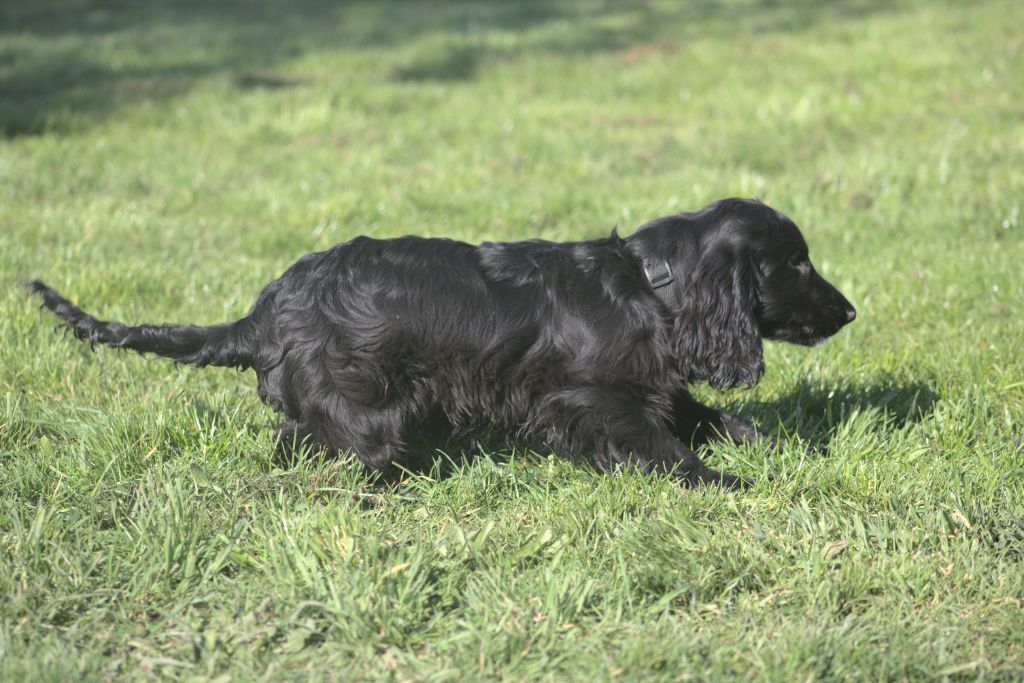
[[228, 344]]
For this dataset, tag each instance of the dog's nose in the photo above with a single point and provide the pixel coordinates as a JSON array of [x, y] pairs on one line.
[[851, 314]]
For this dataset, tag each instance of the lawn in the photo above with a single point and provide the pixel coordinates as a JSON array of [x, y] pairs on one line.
[[163, 161]]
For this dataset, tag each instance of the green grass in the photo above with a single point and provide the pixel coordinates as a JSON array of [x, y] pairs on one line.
[[163, 161]]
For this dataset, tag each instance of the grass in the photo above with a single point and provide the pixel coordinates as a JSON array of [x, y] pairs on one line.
[[164, 161]]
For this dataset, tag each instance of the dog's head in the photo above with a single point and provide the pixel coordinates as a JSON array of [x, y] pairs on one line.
[[741, 273], [793, 302]]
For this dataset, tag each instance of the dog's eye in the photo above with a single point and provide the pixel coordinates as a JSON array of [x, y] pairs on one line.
[[797, 259]]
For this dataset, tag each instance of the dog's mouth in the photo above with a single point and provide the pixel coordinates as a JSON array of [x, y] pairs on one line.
[[801, 335], [803, 338]]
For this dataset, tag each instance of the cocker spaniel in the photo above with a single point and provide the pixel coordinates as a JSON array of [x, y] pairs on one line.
[[586, 346]]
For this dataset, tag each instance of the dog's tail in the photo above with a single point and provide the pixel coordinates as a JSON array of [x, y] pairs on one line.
[[228, 344]]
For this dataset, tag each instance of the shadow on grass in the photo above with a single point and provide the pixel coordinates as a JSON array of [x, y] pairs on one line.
[[813, 411], [67, 63]]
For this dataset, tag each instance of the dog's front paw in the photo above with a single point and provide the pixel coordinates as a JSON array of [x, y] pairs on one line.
[[705, 476], [814, 450]]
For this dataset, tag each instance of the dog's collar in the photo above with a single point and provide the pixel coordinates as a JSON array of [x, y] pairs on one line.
[[659, 274]]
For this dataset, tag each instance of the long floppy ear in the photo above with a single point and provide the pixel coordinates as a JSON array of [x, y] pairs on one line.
[[716, 334]]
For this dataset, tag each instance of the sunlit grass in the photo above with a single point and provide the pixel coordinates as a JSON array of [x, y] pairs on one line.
[[163, 162]]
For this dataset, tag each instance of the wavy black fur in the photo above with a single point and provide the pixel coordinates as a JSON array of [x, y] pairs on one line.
[[372, 341]]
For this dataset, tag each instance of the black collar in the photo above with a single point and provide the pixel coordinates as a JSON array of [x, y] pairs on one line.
[[659, 274]]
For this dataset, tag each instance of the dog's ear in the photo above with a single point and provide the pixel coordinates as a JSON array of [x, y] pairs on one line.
[[716, 333]]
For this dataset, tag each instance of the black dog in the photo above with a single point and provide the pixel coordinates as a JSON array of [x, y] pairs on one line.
[[588, 346]]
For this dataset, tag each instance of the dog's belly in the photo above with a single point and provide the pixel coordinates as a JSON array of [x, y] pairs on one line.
[[488, 400]]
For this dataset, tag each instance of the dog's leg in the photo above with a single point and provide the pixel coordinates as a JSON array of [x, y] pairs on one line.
[[373, 434], [286, 442], [697, 424], [293, 436], [611, 429]]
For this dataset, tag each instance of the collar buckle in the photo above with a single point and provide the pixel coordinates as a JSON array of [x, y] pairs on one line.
[[660, 276]]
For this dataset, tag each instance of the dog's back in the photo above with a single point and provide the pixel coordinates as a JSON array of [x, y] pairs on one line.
[[474, 329]]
